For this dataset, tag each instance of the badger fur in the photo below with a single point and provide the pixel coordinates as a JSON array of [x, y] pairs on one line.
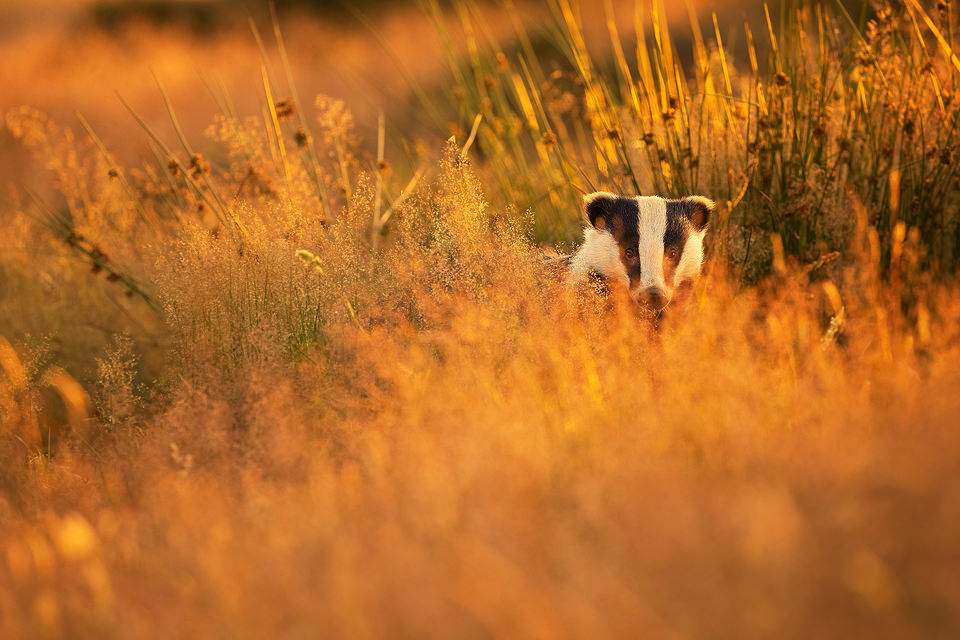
[[648, 244]]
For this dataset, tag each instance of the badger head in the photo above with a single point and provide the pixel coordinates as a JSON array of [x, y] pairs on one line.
[[649, 244]]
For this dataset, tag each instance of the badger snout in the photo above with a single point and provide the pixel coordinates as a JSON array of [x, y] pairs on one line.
[[654, 298]]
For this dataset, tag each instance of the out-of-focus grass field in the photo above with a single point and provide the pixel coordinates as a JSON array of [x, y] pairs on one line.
[[277, 360]]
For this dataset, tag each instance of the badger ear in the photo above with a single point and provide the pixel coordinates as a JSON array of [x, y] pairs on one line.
[[599, 206], [699, 210]]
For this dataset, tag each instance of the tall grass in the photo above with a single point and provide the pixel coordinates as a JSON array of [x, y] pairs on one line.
[[811, 109], [473, 450], [284, 385]]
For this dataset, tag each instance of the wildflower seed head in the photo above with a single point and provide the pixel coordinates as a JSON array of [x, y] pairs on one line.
[[285, 109], [782, 79], [198, 166], [502, 63], [113, 174], [173, 167], [301, 137], [548, 139]]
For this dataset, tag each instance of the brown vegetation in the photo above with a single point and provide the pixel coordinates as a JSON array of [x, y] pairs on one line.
[[289, 383]]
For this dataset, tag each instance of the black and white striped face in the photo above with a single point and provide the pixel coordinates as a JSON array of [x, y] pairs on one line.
[[651, 244]]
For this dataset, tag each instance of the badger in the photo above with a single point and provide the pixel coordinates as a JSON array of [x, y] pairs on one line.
[[650, 245]]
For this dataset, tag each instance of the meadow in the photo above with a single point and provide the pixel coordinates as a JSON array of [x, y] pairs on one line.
[[301, 374]]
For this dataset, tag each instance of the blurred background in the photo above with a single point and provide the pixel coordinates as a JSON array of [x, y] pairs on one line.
[[70, 56]]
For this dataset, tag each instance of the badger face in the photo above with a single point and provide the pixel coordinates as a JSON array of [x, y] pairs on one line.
[[649, 244]]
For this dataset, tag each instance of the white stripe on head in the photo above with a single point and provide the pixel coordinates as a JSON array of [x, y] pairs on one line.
[[651, 226], [599, 253], [690, 260]]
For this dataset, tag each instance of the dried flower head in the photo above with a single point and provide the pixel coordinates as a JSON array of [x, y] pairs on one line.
[[285, 108], [301, 137], [198, 166], [310, 259]]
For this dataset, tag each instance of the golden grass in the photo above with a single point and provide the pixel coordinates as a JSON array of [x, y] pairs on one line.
[[469, 450], [289, 388]]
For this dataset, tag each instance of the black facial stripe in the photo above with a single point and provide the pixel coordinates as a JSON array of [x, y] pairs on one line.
[[678, 224], [625, 227], [623, 218]]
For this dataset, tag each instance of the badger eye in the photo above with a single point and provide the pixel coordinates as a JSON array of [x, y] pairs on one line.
[[673, 253], [631, 252]]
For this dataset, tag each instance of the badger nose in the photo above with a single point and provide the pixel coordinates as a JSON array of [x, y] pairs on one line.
[[655, 298]]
